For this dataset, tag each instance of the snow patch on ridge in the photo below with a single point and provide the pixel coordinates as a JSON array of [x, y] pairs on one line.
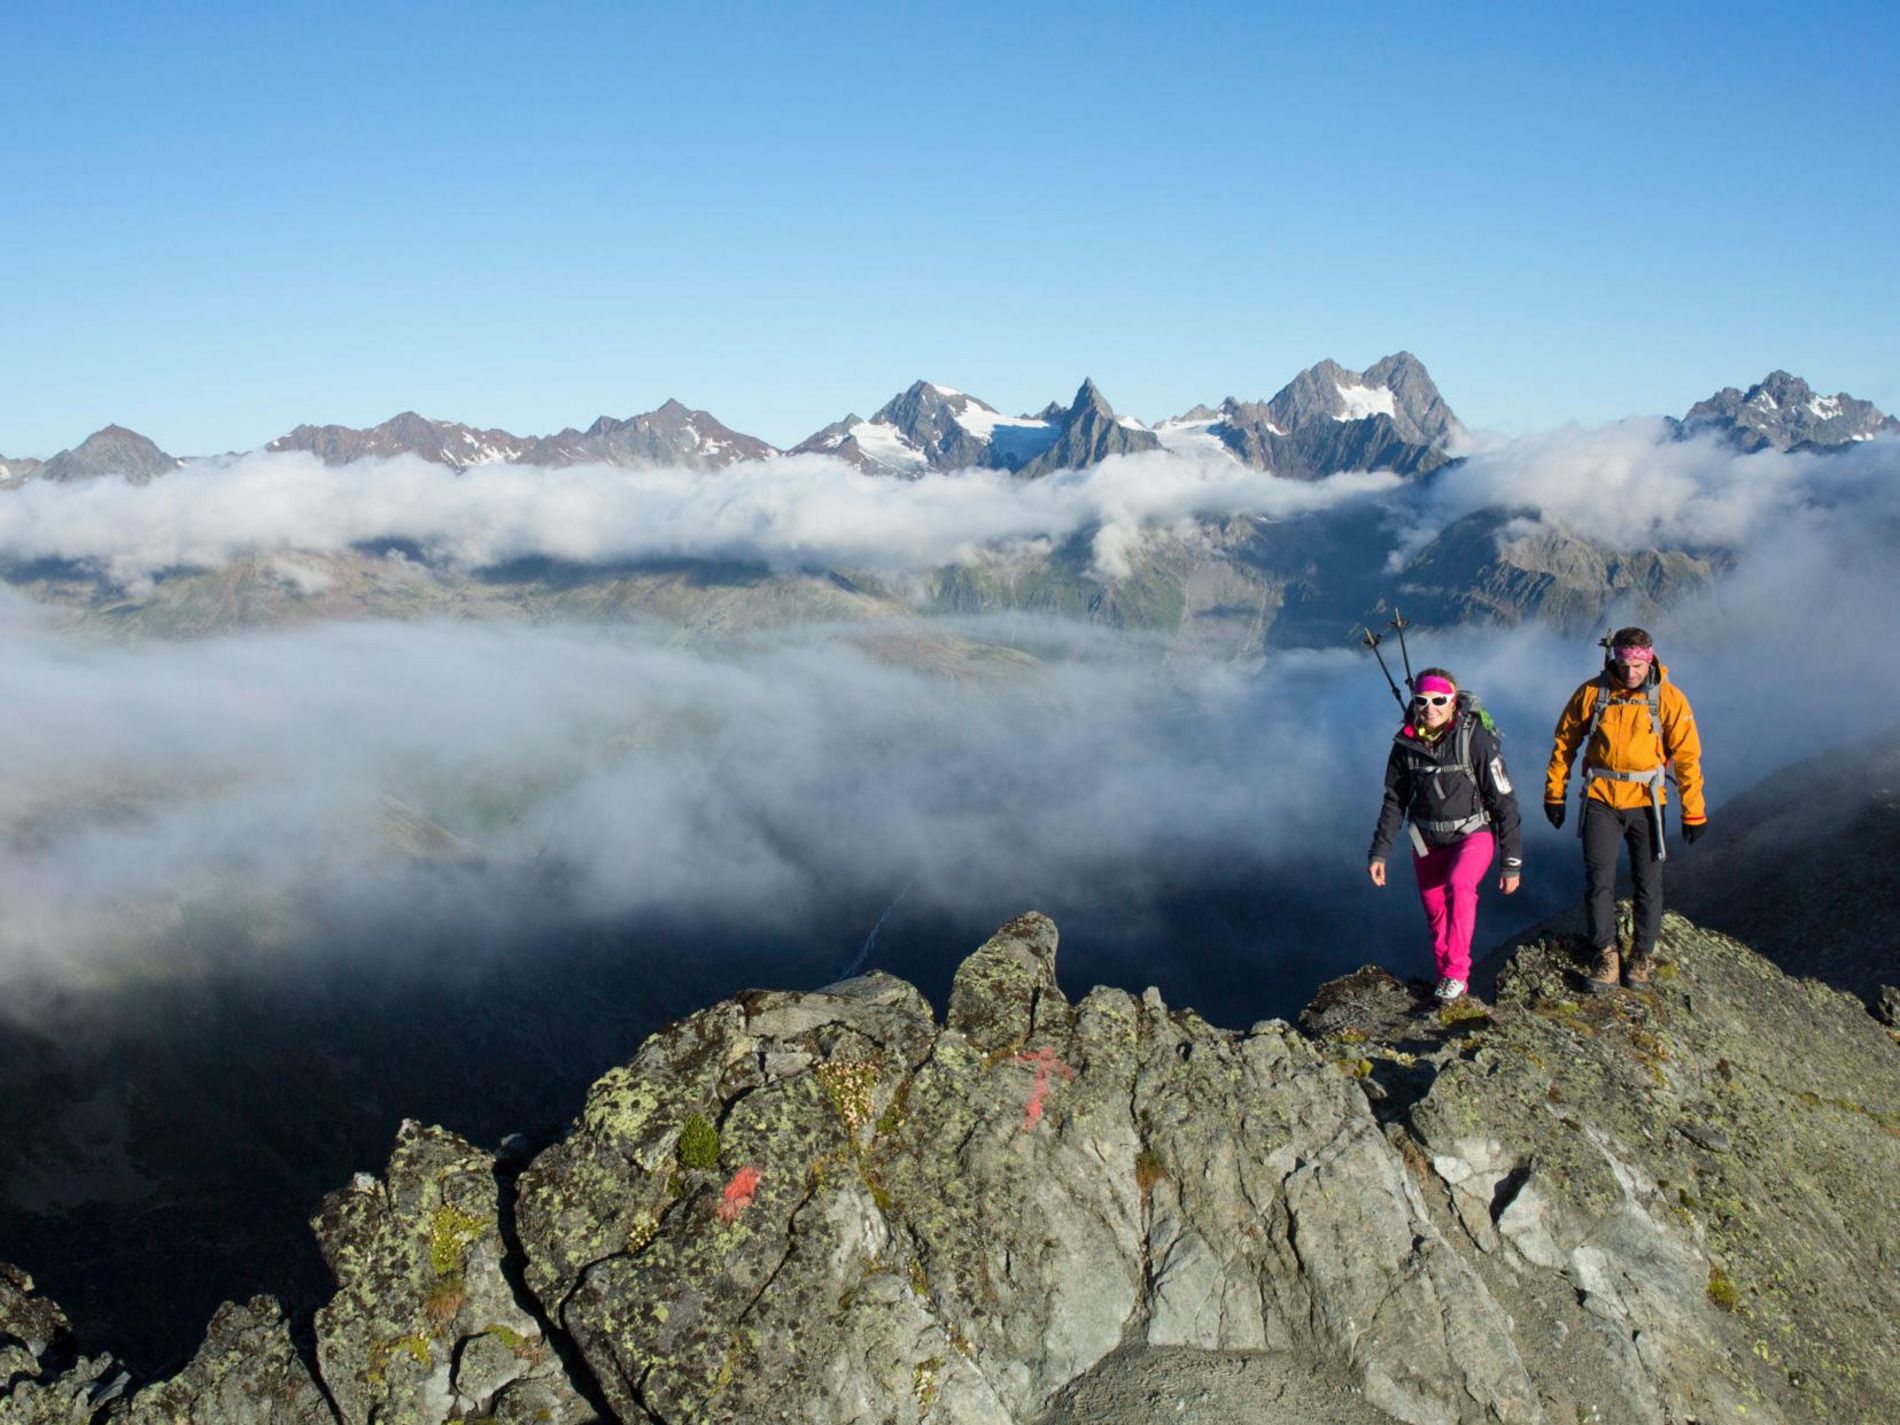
[[980, 421], [484, 453], [1018, 439], [1193, 439], [886, 445]]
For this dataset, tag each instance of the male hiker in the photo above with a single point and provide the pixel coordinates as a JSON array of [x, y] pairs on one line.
[[1631, 723]]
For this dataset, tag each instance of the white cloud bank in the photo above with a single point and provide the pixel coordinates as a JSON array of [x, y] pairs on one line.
[[800, 512], [1633, 485], [156, 786]]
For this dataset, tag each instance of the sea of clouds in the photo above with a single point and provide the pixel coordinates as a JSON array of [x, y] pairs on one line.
[[1631, 484], [390, 775], [795, 512]]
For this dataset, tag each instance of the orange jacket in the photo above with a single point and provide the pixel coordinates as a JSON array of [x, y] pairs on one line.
[[1626, 741]]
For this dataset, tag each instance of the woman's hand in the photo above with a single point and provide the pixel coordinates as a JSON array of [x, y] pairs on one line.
[[1508, 882], [1376, 870]]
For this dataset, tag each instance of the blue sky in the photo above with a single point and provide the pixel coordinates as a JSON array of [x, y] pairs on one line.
[[221, 220]]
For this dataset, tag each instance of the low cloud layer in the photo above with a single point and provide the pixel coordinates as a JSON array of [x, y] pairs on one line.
[[796, 512], [1634, 485], [287, 775], [169, 801]]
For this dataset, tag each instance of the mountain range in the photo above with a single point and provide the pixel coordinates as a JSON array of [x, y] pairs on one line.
[[1783, 412], [673, 435], [1225, 590], [1327, 419]]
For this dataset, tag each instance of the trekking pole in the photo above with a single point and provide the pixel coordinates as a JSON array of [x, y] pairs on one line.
[[1372, 641], [1399, 625]]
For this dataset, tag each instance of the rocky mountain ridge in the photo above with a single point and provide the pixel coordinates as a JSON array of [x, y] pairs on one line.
[[1223, 589], [1327, 419], [673, 435], [110, 450], [1783, 412], [931, 427], [829, 1206]]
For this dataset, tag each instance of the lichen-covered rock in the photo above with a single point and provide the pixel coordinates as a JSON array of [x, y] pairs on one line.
[[31, 1327], [247, 1372], [910, 1224], [1660, 1207], [602, 1192], [424, 1326], [1887, 1006], [1676, 1193], [681, 1281], [85, 1392], [38, 1385], [1007, 991]]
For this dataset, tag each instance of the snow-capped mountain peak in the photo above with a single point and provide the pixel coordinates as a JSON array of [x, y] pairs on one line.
[[1782, 412], [1328, 418]]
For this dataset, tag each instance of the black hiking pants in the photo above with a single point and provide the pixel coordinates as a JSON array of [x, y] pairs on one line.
[[1606, 829]]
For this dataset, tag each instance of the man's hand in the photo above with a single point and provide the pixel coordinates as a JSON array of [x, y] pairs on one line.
[[1376, 870], [1508, 882], [1692, 831], [1554, 813]]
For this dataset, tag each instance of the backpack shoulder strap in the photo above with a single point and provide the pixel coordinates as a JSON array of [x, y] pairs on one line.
[[1472, 716], [1467, 729], [1596, 712]]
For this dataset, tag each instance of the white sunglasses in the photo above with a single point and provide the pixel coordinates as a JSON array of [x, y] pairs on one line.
[[1437, 700]]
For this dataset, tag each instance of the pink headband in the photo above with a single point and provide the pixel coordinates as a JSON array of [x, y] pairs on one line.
[[1635, 655], [1432, 683]]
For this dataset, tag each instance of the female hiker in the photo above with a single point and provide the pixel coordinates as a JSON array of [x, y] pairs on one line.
[[1446, 778]]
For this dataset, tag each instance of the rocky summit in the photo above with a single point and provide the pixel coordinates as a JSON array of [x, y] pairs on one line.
[[1783, 412], [113, 450], [1668, 1207]]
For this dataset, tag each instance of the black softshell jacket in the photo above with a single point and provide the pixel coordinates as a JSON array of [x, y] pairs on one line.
[[1424, 778]]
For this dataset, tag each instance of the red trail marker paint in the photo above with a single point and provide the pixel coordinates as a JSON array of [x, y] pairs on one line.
[[738, 1194], [1046, 1064]]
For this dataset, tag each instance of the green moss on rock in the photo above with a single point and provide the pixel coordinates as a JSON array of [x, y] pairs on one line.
[[451, 1233]]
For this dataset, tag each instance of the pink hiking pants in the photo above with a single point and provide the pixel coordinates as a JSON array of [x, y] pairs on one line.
[[1448, 888]]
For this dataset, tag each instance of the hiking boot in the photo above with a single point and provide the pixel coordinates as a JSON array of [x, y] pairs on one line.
[[1449, 990], [1602, 976], [1636, 968]]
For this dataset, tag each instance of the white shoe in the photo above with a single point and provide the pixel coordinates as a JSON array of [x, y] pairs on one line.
[[1449, 990]]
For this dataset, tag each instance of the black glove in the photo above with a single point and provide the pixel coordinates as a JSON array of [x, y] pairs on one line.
[[1554, 813], [1692, 831]]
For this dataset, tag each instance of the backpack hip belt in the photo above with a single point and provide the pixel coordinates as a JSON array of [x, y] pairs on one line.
[[1654, 778], [1445, 830]]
